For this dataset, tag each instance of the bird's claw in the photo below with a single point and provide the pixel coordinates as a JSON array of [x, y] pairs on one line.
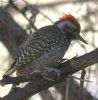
[[51, 74]]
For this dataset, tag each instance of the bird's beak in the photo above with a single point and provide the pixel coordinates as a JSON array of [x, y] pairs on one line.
[[81, 39]]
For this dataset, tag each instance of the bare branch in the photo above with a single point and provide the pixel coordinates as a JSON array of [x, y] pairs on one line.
[[37, 83]]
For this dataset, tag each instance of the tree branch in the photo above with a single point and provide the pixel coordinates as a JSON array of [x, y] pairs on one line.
[[37, 83]]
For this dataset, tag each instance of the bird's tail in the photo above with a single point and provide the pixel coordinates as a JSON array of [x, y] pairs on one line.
[[10, 70]]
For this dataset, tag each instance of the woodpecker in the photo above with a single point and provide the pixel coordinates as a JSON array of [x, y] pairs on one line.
[[46, 47]]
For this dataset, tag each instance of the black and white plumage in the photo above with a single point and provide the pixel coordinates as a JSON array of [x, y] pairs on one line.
[[46, 47]]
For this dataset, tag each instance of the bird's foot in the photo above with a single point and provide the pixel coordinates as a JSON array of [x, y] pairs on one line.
[[51, 74]]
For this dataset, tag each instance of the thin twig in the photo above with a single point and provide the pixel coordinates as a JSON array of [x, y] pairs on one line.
[[82, 79], [38, 11], [81, 84], [67, 88]]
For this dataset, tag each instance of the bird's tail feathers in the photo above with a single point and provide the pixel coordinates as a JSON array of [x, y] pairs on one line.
[[9, 71]]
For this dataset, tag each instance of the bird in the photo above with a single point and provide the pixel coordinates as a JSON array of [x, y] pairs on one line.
[[45, 47]]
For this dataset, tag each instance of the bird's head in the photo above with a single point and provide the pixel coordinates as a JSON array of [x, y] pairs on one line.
[[70, 26]]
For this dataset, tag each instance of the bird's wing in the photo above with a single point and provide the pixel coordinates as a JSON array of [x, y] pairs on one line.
[[36, 44]]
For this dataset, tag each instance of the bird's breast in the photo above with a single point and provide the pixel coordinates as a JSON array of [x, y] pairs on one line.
[[51, 57]]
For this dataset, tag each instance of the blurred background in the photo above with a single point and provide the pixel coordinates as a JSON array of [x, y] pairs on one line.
[[19, 18]]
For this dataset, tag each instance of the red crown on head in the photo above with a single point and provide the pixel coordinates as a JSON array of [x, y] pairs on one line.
[[68, 17]]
